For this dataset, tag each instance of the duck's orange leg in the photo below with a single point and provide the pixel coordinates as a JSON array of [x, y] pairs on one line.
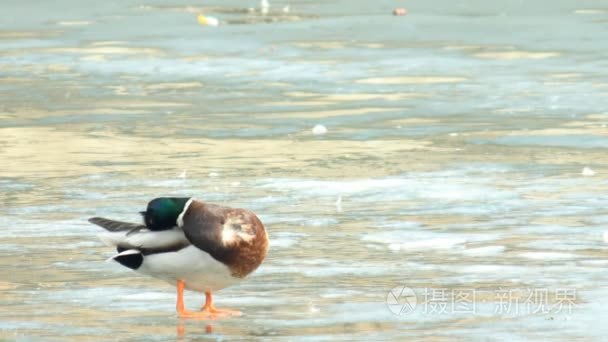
[[211, 309], [208, 311]]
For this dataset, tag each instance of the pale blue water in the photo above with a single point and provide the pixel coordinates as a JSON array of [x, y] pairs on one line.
[[453, 164]]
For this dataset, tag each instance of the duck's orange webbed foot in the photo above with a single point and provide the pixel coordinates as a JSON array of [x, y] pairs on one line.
[[208, 311]]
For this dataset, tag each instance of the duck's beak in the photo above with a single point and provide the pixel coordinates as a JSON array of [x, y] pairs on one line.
[[143, 213]]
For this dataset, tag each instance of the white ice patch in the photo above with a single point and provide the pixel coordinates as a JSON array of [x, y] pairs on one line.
[[484, 251], [505, 270], [436, 243], [111, 298], [341, 293], [320, 222], [552, 229], [302, 221], [398, 240], [327, 268], [330, 271], [394, 225], [597, 263], [25, 228], [549, 256], [563, 244], [429, 186], [149, 296], [285, 239], [166, 183], [252, 301]]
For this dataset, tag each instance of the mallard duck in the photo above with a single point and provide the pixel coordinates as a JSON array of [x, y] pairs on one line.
[[197, 246]]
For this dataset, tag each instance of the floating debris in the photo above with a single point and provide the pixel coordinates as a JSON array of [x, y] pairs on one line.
[[339, 204], [183, 175], [312, 308], [399, 11], [319, 130], [74, 23], [207, 21], [587, 171], [286, 9], [264, 6]]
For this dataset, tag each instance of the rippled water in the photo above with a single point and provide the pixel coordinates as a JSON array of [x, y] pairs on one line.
[[452, 165]]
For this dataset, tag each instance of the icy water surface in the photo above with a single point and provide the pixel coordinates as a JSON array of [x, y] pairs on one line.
[[452, 165]]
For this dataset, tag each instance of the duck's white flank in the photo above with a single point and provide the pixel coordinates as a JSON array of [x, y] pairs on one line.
[[195, 267], [144, 238]]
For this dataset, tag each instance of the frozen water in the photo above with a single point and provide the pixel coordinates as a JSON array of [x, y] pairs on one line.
[[461, 151]]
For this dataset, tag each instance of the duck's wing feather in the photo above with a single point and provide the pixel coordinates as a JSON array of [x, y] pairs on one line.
[[203, 226], [128, 236], [116, 226], [233, 236]]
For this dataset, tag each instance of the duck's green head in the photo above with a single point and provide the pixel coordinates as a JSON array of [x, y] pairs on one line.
[[162, 212]]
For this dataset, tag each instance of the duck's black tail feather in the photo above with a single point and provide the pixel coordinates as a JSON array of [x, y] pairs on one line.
[[130, 258]]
